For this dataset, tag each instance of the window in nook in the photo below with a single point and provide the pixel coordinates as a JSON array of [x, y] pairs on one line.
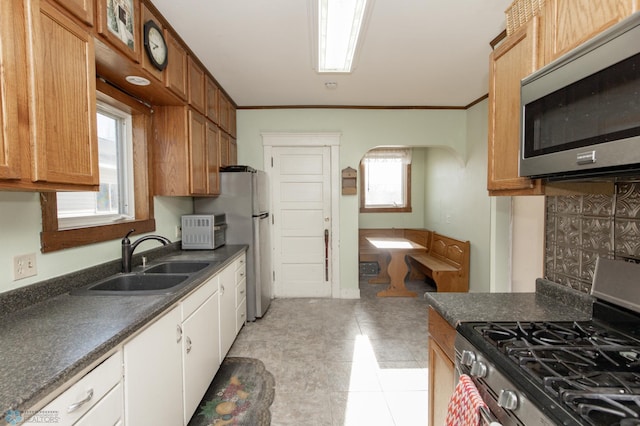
[[386, 180]]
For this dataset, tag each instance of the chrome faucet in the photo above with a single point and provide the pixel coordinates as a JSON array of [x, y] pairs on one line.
[[128, 248]]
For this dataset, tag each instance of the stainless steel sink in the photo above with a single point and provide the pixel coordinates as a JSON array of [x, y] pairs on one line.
[[177, 268], [135, 284]]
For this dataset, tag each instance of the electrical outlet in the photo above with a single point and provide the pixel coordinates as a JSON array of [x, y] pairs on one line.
[[178, 231], [24, 266]]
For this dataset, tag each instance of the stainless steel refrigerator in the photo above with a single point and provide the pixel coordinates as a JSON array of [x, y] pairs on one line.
[[244, 197]]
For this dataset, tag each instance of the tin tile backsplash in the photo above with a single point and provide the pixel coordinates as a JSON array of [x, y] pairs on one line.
[[581, 228]]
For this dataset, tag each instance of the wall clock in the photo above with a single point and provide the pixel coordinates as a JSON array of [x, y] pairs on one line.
[[155, 45]]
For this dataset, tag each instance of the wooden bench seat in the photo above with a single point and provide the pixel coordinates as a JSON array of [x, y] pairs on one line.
[[432, 263], [446, 263]]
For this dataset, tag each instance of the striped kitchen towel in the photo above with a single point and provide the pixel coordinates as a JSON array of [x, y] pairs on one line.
[[464, 405]]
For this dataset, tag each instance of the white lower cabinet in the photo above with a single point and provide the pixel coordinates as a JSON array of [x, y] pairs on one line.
[[169, 366], [241, 294], [153, 373], [227, 309], [233, 305], [160, 375], [200, 346], [85, 401]]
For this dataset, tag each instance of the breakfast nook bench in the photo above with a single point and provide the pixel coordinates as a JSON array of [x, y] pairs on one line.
[[446, 263]]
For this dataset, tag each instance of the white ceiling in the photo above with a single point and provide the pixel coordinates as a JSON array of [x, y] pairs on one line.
[[415, 52]]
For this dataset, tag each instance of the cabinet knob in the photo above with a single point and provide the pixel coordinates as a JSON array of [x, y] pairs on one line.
[[188, 344], [178, 333]]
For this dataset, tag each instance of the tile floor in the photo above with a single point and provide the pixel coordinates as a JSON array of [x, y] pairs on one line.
[[344, 362]]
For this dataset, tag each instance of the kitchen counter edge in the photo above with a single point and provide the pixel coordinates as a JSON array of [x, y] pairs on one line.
[[550, 302]]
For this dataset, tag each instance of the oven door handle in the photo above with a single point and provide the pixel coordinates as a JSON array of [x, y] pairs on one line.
[[488, 418]]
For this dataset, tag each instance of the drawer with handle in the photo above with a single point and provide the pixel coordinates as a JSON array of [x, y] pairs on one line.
[[76, 401]]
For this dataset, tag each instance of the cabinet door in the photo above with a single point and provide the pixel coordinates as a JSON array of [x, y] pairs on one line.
[[197, 91], [175, 74], [232, 121], [201, 353], [516, 58], [171, 151], [569, 23], [212, 100], [223, 112], [198, 153], [153, 373], [225, 148], [66, 143], [441, 383], [213, 158], [81, 9], [227, 309], [9, 140]]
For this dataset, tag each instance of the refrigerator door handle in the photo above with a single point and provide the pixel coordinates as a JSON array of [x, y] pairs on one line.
[[326, 255]]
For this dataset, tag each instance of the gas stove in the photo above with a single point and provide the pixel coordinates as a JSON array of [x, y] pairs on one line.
[[561, 373]]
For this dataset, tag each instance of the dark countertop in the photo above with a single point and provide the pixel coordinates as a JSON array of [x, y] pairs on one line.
[[49, 341], [550, 302]]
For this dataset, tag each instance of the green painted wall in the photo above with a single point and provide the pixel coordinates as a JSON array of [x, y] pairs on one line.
[[21, 224], [450, 152]]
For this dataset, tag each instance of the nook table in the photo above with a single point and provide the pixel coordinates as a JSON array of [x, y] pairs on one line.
[[397, 268]]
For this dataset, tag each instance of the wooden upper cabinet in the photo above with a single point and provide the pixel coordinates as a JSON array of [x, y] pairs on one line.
[[184, 149], [9, 132], [213, 159], [81, 9], [198, 153], [197, 91], [175, 74], [225, 147], [146, 15], [212, 100], [515, 58], [232, 120], [568, 23], [223, 111], [119, 23], [65, 143]]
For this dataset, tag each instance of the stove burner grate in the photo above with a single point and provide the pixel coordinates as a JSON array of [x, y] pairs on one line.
[[590, 368]]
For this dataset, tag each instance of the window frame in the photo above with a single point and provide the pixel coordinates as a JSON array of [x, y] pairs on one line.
[[52, 238], [125, 174], [363, 185]]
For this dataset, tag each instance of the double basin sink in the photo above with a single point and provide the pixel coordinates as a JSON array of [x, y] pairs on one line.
[[163, 278]]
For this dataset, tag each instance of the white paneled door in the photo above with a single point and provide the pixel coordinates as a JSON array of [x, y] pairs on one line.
[[301, 206]]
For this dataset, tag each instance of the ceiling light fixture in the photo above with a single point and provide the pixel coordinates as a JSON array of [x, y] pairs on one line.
[[339, 26]]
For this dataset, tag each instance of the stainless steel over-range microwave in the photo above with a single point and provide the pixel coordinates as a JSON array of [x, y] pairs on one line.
[[580, 114]]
